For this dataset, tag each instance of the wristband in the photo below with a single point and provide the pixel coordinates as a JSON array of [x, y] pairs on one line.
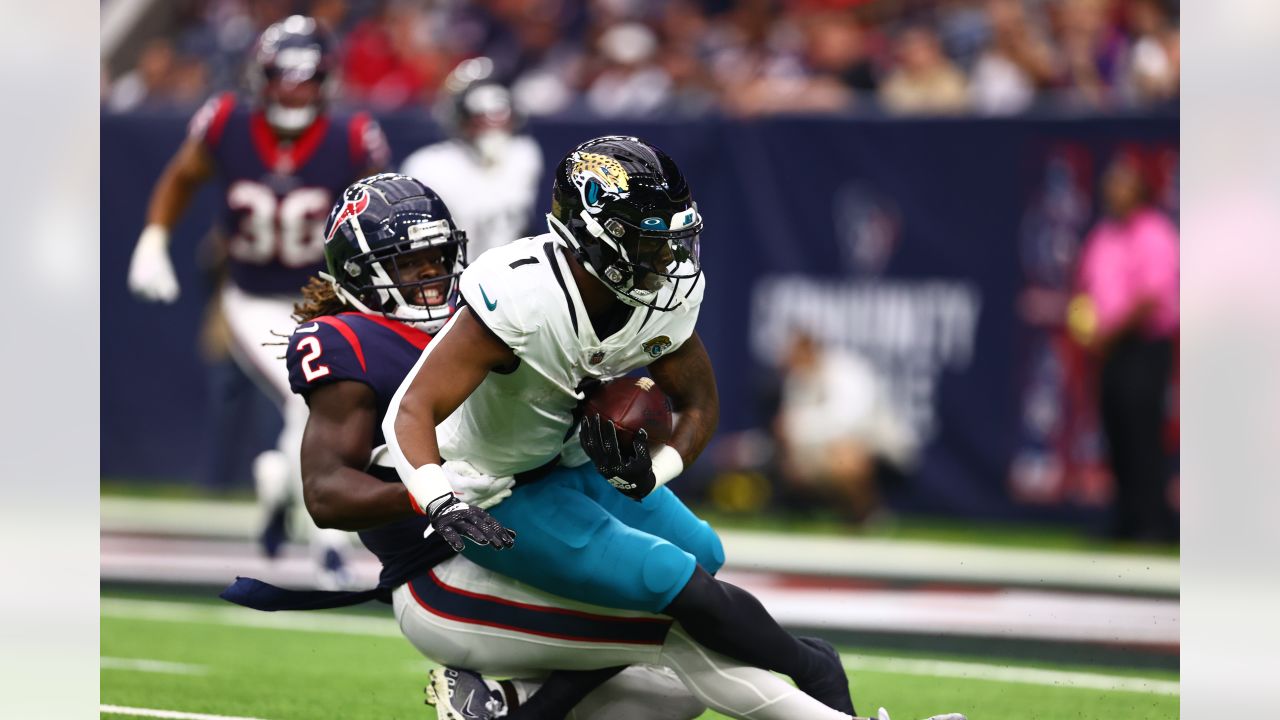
[[155, 235], [667, 464], [426, 484]]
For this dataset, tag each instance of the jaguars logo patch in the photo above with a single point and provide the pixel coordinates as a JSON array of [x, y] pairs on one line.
[[598, 178], [657, 346]]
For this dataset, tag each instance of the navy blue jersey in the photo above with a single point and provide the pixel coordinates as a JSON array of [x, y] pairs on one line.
[[276, 194], [378, 352]]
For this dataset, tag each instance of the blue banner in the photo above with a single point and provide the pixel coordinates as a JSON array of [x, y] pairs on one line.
[[916, 243]]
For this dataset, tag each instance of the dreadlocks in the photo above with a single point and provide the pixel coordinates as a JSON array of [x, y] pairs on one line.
[[318, 298]]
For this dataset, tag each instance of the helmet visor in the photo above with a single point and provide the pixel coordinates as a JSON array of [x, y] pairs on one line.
[[662, 257]]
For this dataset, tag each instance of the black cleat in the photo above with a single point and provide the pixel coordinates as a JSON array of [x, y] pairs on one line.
[[276, 532], [463, 695], [828, 685]]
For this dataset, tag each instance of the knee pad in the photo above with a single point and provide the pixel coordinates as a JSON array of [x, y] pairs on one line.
[[707, 549], [665, 570]]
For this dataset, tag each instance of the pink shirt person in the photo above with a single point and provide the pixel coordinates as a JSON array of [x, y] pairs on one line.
[[1128, 261]]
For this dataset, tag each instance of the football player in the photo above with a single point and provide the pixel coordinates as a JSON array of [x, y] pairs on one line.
[[394, 259], [614, 286], [280, 161], [486, 172]]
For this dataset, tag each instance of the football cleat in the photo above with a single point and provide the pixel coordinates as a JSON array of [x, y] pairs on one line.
[[463, 695], [275, 533]]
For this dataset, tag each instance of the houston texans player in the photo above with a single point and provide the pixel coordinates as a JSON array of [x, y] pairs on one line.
[[394, 259], [280, 161], [486, 171], [615, 285]]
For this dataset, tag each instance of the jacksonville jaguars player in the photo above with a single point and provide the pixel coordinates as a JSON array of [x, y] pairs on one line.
[[393, 259], [487, 172], [280, 161], [614, 286]]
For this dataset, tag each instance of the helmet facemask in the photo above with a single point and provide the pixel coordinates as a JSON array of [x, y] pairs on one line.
[[391, 280], [637, 264], [291, 55]]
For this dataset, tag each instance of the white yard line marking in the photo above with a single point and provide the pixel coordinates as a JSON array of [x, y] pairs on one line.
[[1010, 674], [379, 627], [172, 714], [155, 666]]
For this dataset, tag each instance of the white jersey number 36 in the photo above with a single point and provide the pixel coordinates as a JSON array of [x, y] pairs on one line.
[[289, 229]]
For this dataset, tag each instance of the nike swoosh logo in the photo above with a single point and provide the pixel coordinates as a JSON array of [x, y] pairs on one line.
[[314, 327], [466, 706], [491, 304]]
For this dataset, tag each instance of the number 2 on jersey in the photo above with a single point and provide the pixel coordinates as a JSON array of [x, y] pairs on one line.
[[310, 371], [288, 229]]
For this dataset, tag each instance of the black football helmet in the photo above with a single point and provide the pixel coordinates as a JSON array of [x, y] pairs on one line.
[[289, 53], [626, 211], [391, 249]]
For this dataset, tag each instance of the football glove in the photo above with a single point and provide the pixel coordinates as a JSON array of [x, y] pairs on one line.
[[454, 519], [632, 476], [151, 275], [474, 487]]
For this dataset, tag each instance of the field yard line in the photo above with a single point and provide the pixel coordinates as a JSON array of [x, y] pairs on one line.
[[1011, 674], [156, 666], [172, 714], [244, 617], [379, 627]]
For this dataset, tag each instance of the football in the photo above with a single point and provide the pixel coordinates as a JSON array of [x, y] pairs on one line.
[[632, 404]]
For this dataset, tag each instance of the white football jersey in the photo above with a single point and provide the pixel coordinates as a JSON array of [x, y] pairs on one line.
[[492, 203], [525, 293]]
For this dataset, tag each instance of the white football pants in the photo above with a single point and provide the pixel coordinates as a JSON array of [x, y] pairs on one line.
[[708, 678], [260, 326]]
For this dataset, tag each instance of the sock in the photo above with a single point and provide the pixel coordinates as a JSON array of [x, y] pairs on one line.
[[560, 693], [731, 621]]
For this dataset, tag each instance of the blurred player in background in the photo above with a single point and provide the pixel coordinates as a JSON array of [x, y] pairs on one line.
[[279, 161], [614, 286], [485, 172]]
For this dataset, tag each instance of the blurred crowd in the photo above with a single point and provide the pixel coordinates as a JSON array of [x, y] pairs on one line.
[[691, 57]]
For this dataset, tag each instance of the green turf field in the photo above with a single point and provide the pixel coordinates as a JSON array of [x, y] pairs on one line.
[[173, 654]]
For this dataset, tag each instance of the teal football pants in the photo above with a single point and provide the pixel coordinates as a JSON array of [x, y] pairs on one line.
[[579, 538]]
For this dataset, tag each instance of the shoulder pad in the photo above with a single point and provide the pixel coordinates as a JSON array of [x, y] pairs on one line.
[[323, 351], [507, 290]]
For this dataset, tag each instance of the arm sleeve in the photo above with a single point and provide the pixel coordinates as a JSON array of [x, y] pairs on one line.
[[320, 353]]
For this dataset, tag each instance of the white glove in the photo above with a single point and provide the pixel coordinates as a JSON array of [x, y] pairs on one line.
[[474, 487], [151, 274]]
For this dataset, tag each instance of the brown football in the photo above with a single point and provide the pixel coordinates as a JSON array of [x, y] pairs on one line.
[[632, 404]]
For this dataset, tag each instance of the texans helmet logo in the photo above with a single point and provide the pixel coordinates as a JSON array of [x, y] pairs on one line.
[[351, 208]]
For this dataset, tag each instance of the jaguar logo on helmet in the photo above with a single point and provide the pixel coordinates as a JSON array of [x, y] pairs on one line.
[[657, 346], [351, 208], [598, 178]]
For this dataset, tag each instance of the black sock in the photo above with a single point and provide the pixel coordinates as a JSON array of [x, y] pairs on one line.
[[560, 693], [731, 621]]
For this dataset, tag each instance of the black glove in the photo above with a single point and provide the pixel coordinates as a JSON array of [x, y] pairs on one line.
[[632, 476], [453, 519]]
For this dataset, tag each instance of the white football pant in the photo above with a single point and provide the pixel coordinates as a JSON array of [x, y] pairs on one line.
[[708, 678]]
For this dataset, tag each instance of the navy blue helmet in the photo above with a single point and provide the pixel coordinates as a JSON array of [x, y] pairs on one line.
[[625, 209], [392, 249], [289, 72]]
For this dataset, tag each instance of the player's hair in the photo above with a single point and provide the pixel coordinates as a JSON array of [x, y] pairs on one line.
[[318, 298]]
